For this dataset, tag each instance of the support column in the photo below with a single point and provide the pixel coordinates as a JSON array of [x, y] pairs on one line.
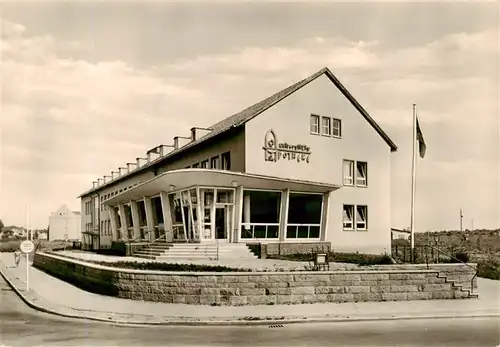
[[285, 198], [135, 219], [238, 205], [149, 218], [167, 217], [113, 216], [324, 216], [123, 222]]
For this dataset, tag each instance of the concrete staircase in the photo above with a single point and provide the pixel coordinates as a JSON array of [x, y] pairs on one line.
[[195, 251]]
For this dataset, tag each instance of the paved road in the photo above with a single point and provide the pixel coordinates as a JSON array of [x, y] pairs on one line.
[[22, 326]]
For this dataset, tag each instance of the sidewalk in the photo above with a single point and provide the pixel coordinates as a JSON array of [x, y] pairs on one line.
[[55, 296]]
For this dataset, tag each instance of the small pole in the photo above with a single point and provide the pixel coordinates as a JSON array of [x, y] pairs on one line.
[[27, 254]]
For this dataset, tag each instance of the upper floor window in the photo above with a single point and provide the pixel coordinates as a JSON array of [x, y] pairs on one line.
[[337, 127], [326, 126], [226, 161], [348, 168], [214, 163], [355, 217], [361, 174], [314, 124]]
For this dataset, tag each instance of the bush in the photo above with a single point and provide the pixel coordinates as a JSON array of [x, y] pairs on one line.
[[9, 246], [489, 268], [462, 256], [169, 267], [352, 258]]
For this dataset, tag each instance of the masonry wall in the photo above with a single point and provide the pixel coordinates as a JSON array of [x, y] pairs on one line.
[[252, 288]]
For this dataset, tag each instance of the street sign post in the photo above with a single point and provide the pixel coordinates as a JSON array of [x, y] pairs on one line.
[[27, 247]]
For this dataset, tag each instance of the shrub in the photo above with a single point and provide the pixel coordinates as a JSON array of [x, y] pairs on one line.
[[489, 268], [462, 256], [9, 246], [169, 266], [352, 258]]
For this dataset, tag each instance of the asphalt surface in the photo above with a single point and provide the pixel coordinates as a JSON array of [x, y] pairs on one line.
[[23, 326]]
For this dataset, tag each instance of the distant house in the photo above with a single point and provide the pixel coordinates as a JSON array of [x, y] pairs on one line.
[[400, 234], [64, 224]]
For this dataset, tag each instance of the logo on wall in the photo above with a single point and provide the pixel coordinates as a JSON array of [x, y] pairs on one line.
[[274, 150]]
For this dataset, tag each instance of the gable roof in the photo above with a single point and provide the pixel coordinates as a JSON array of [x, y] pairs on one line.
[[240, 118]]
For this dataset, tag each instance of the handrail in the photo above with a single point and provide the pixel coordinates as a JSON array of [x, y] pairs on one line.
[[453, 257]]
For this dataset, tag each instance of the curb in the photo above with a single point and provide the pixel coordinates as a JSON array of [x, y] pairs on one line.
[[238, 322]]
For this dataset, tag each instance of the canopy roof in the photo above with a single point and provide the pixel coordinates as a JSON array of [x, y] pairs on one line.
[[185, 178]]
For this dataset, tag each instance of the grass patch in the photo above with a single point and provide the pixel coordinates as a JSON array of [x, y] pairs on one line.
[[351, 258]]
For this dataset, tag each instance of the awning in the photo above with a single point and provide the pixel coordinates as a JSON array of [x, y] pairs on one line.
[[185, 178]]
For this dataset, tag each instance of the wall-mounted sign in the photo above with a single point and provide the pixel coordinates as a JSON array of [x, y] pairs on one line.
[[274, 150]]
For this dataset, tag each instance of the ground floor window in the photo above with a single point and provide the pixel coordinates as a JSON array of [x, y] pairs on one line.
[[261, 214], [304, 216], [355, 217]]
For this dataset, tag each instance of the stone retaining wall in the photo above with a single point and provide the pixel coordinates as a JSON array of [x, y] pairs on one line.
[[252, 288]]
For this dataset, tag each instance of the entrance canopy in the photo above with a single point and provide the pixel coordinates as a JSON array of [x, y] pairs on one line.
[[185, 178]]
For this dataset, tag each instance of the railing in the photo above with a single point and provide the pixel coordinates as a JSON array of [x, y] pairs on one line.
[[420, 252], [455, 258], [159, 237]]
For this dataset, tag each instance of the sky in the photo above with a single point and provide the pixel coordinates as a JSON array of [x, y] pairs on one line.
[[87, 87]]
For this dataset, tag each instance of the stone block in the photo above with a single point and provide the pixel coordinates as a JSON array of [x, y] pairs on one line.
[[238, 300], [419, 296], [394, 296], [358, 289], [209, 299], [192, 299], [340, 297], [301, 284], [439, 295], [311, 278], [261, 300], [280, 278], [380, 289], [417, 281], [403, 288], [399, 276], [209, 291], [278, 291], [207, 279], [178, 299], [258, 278], [374, 277], [331, 290], [188, 291], [274, 285], [436, 287], [302, 290], [233, 279], [252, 291], [367, 296]]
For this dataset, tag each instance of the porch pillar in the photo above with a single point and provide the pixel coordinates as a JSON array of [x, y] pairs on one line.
[[113, 216], [149, 218], [238, 199], [135, 219], [123, 222], [285, 198], [167, 216], [324, 216]]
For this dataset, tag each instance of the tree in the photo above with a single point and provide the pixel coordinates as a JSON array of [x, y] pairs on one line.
[[1, 225]]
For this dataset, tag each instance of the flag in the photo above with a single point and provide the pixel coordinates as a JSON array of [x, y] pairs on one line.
[[421, 142]]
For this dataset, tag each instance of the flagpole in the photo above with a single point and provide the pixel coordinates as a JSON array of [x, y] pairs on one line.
[[413, 184]]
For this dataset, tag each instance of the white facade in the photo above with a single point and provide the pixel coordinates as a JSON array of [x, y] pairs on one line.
[[64, 224], [290, 120]]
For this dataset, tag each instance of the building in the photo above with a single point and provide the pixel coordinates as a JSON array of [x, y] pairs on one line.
[[65, 224], [308, 165]]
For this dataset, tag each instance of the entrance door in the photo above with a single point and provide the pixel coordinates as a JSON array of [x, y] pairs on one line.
[[220, 223]]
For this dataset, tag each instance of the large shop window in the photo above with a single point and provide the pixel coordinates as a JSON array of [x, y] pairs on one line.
[[261, 214], [304, 216]]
